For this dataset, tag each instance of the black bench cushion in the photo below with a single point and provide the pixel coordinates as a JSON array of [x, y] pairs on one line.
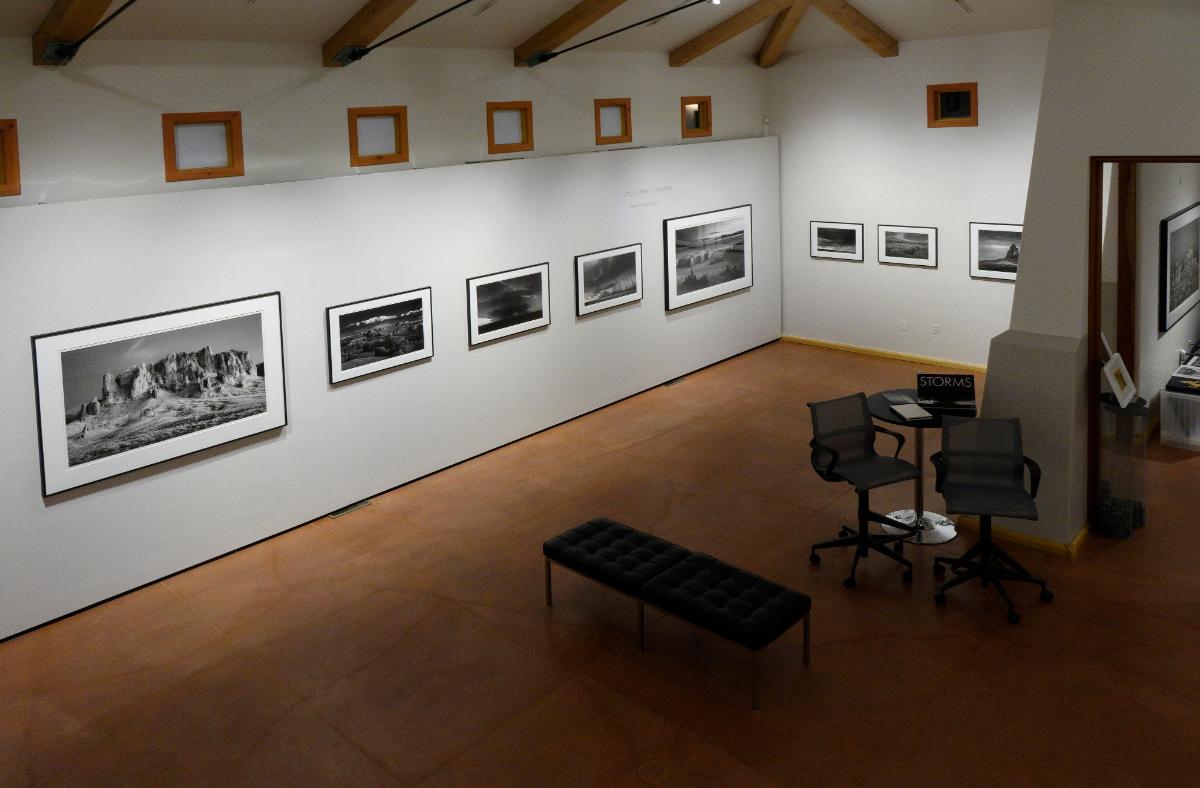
[[732, 603], [613, 553]]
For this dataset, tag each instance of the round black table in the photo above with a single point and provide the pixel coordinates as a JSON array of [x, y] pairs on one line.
[[932, 528]]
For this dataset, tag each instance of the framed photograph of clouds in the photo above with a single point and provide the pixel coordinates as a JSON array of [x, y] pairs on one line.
[[609, 278], [995, 251], [1178, 266], [509, 302], [379, 333], [115, 397], [708, 255], [915, 246], [836, 240]]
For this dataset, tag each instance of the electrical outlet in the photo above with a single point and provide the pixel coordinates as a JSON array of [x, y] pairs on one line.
[[903, 325], [937, 329]]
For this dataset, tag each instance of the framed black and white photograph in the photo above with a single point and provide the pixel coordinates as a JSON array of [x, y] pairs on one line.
[[708, 255], [379, 333], [1178, 266], [119, 396], [607, 279], [836, 240], [995, 251], [902, 245], [509, 302]]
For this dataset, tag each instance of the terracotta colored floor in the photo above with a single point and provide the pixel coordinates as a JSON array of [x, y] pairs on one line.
[[408, 643]]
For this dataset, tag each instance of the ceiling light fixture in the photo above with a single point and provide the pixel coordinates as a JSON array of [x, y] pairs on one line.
[[60, 53], [353, 54], [537, 58]]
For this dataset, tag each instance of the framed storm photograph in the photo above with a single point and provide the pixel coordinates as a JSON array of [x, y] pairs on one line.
[[509, 302], [1178, 266], [836, 240], [915, 246], [708, 255], [995, 251], [116, 397], [609, 278], [379, 333]]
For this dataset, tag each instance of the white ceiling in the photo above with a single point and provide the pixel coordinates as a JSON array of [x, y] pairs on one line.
[[509, 22]]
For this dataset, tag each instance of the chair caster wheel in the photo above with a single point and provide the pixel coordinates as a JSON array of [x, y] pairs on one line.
[[939, 569], [849, 582], [1047, 595], [814, 559], [1014, 617], [907, 576], [940, 598]]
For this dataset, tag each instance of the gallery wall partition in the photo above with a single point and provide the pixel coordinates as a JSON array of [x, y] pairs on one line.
[[379, 305]]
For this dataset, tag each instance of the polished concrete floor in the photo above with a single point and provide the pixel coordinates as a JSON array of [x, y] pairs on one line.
[[409, 643]]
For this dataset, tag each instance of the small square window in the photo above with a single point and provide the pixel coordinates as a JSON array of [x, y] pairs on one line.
[[509, 126], [696, 112], [10, 160], [378, 135], [614, 121], [199, 145], [953, 105]]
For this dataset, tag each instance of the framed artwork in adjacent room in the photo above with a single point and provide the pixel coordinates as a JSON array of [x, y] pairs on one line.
[[836, 240], [995, 251], [379, 333], [1178, 266], [115, 397], [509, 302], [708, 255], [607, 279], [903, 245], [1119, 380]]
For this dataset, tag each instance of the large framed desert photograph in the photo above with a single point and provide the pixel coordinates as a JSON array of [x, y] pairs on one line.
[[1178, 266], [379, 333], [913, 246], [607, 279], [836, 240], [120, 396], [708, 255], [995, 251], [509, 302]]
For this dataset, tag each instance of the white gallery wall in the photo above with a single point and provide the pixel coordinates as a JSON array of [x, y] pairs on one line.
[[855, 147], [326, 242], [93, 128]]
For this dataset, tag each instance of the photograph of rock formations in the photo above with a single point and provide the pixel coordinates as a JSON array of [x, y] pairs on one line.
[[372, 335], [124, 395]]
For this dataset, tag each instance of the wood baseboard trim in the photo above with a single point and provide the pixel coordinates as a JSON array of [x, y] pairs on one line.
[[1041, 544], [881, 353]]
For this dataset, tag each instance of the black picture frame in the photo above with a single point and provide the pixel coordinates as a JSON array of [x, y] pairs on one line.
[[475, 331], [856, 255], [583, 309], [676, 300], [977, 269], [932, 261], [1173, 230], [338, 376]]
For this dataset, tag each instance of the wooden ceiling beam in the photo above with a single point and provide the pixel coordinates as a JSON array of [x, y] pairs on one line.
[[580, 17], [66, 22], [723, 31], [858, 25], [781, 33], [363, 28]]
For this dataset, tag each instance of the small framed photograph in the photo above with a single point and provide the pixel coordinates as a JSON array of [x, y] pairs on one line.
[[379, 333], [1178, 266], [836, 240], [1119, 380], [509, 302], [609, 278], [914, 246], [116, 397], [995, 251], [708, 255]]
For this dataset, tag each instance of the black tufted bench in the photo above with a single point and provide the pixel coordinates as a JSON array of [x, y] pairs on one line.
[[697, 588]]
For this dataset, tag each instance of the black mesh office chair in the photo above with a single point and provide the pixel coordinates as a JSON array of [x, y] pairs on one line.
[[843, 450], [981, 471]]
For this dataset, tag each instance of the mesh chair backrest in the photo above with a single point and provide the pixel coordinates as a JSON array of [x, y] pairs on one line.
[[845, 426], [983, 453]]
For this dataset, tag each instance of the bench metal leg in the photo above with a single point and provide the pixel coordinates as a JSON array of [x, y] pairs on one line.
[[806, 617], [641, 626], [549, 595], [754, 681]]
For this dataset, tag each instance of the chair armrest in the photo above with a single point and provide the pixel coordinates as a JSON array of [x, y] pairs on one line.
[[899, 439], [1035, 476], [939, 466], [818, 449]]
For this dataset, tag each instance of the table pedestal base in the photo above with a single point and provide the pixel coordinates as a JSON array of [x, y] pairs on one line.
[[933, 528]]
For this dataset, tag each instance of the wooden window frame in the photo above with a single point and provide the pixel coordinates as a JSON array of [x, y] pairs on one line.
[[233, 145], [626, 107], [10, 185], [526, 110], [932, 104], [705, 103], [399, 115]]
